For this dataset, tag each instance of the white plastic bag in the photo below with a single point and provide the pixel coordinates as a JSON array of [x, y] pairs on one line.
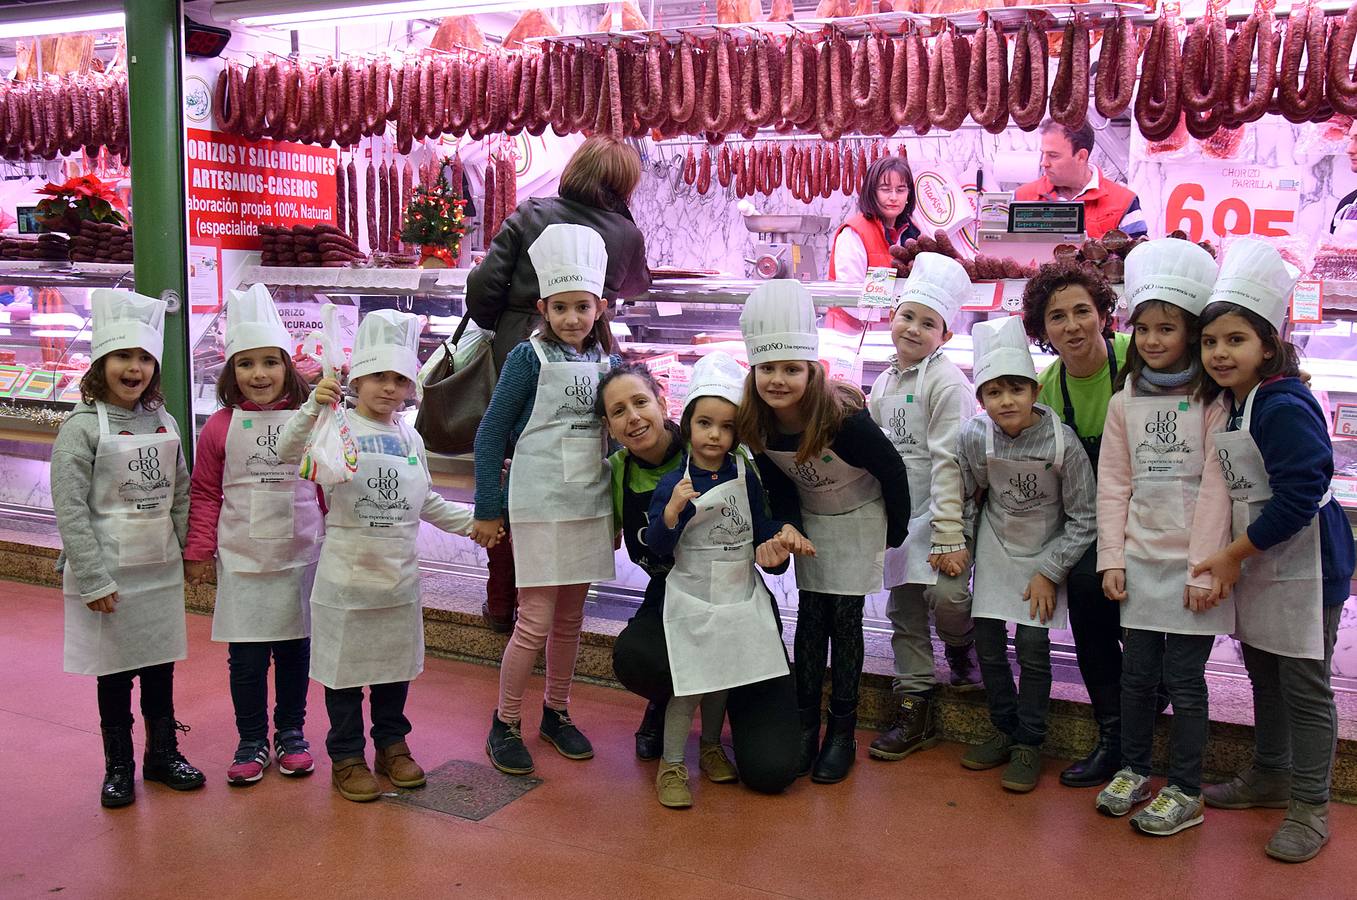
[[331, 454]]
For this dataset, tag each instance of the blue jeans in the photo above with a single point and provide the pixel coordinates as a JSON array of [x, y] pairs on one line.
[[249, 663], [1180, 661], [1018, 711], [345, 706]]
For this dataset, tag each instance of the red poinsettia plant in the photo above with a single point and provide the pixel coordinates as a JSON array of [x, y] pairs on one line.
[[80, 199]]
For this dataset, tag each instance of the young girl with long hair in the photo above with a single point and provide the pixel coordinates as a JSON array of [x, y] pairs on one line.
[[828, 467]]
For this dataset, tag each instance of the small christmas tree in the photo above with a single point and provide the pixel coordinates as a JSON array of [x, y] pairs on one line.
[[435, 221]]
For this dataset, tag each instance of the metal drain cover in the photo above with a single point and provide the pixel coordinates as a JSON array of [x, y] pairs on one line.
[[465, 789]]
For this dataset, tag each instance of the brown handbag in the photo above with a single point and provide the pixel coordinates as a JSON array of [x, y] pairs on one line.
[[455, 401]]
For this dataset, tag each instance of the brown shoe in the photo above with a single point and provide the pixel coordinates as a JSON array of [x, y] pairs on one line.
[[396, 763], [353, 780]]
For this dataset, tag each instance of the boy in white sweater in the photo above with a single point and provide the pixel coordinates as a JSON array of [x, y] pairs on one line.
[[921, 402]]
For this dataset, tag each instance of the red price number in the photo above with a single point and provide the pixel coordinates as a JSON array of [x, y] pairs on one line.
[[1233, 215]]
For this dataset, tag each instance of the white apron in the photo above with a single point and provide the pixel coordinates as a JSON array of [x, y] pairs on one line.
[[1279, 598], [844, 517], [904, 419], [131, 494], [1022, 515], [1167, 450], [718, 615], [268, 536], [366, 623], [560, 501]]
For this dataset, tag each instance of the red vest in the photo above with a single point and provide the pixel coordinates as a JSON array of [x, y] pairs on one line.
[[873, 238], [1104, 205]]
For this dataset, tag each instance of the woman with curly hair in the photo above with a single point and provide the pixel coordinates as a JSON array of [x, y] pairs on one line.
[[1067, 309]]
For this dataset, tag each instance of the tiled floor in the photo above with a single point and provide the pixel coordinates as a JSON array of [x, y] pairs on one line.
[[920, 828]]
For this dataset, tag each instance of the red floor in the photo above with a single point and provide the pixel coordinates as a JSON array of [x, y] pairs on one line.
[[922, 827]]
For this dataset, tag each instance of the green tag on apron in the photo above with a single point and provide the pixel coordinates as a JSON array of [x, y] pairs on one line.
[[247, 423], [826, 458], [1182, 406], [414, 460], [909, 398]]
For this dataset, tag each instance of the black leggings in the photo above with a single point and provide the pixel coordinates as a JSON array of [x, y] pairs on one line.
[[1096, 624], [764, 729], [828, 624], [157, 695]]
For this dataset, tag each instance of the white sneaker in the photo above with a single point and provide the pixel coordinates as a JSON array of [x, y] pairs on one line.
[[1123, 793], [1169, 813]]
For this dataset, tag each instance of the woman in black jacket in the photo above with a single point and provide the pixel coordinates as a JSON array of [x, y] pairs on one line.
[[502, 291]]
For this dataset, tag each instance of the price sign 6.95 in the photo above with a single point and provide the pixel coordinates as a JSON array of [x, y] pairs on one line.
[[1221, 201]]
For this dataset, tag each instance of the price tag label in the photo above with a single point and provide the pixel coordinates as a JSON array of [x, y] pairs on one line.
[[879, 291], [9, 378], [1345, 420], [1307, 302], [1217, 201], [39, 386], [1344, 490]]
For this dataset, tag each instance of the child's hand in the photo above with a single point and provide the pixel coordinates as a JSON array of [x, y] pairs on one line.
[[1224, 569], [327, 393], [1040, 597], [682, 496], [1114, 584], [104, 604], [771, 553], [199, 571], [1199, 600], [952, 563], [795, 541], [487, 532]]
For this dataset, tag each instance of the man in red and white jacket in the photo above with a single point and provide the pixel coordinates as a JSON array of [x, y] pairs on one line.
[[1067, 175]]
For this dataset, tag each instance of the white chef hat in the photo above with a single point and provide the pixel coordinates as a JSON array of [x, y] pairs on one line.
[[1172, 270], [124, 320], [252, 321], [937, 282], [386, 341], [717, 374], [569, 258], [1001, 349], [1255, 276], [778, 323]]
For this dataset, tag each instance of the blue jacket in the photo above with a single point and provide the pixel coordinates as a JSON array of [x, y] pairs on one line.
[[1292, 434]]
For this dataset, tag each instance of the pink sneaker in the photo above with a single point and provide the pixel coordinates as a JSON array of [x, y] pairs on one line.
[[294, 753], [252, 758]]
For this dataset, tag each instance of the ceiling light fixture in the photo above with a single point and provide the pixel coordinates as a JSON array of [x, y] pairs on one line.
[[101, 21], [282, 14]]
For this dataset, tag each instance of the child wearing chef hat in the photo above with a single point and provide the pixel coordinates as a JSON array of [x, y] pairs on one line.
[[1149, 478], [120, 491], [921, 402], [261, 523], [367, 626], [709, 516], [1036, 520], [826, 464], [1292, 555], [558, 500]]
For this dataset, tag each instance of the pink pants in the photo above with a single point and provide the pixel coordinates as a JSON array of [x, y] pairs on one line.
[[549, 617]]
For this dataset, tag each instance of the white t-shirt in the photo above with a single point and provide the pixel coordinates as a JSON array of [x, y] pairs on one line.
[[850, 257]]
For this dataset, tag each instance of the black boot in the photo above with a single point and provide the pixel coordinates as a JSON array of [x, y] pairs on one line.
[[965, 668], [119, 768], [914, 728], [1098, 767], [163, 762], [840, 748], [810, 740], [649, 737]]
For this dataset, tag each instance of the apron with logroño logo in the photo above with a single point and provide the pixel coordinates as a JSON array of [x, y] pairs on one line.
[[131, 496], [1167, 449], [1022, 516], [268, 535], [366, 623], [560, 501]]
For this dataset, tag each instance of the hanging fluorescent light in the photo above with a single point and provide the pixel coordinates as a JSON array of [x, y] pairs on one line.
[[280, 13], [34, 23]]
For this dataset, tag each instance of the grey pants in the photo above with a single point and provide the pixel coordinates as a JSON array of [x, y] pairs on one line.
[[1295, 723], [908, 608], [678, 721]]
